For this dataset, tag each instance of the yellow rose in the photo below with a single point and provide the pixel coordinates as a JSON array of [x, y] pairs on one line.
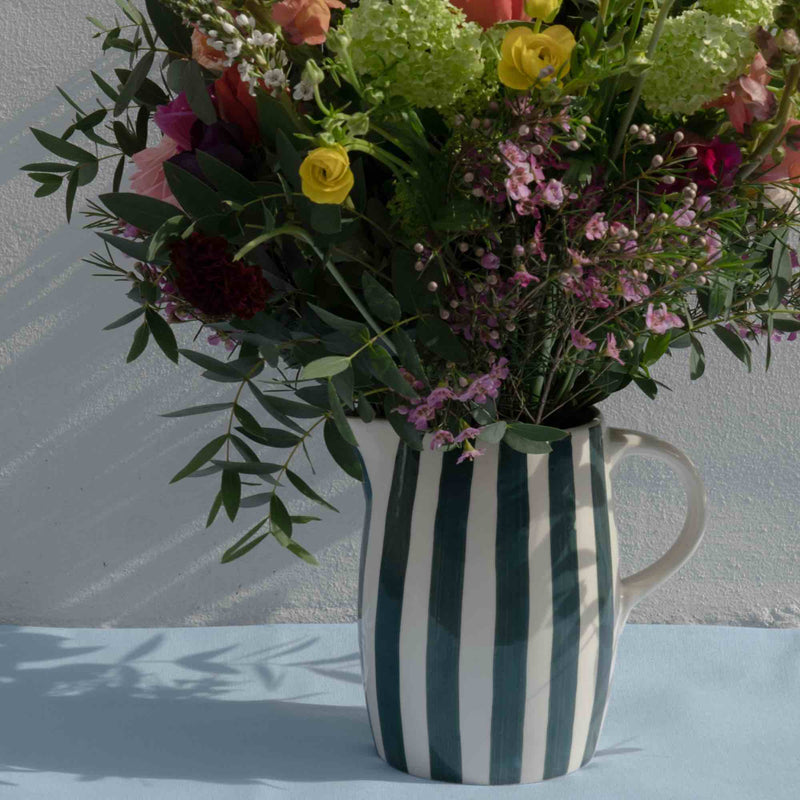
[[542, 9], [524, 54], [326, 175]]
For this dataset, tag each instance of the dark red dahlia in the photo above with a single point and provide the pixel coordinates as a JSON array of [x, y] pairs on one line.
[[209, 279]]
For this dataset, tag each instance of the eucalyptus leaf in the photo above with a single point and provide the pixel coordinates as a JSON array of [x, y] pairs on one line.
[[205, 454], [231, 490], [344, 454], [325, 367], [339, 417], [163, 334], [307, 491], [380, 301]]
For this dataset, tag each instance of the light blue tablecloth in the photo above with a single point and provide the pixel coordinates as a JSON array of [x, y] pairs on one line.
[[697, 713]]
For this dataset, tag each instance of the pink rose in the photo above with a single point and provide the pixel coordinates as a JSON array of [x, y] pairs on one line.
[[488, 12], [176, 120], [789, 168], [149, 179], [306, 21], [747, 98]]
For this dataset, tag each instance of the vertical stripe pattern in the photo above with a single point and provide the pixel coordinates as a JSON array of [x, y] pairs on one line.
[[444, 618], [487, 609], [511, 619]]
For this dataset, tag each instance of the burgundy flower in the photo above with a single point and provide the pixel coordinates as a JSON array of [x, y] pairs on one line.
[[208, 279], [716, 165]]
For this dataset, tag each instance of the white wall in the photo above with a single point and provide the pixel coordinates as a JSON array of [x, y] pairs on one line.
[[90, 532]]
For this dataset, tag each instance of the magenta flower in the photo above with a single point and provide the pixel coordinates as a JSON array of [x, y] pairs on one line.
[[523, 278], [582, 342], [176, 120], [436, 399], [661, 320]]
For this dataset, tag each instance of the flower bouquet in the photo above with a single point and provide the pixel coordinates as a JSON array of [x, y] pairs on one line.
[[469, 221]]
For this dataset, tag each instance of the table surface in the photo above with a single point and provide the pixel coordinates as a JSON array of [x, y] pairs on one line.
[[277, 711]]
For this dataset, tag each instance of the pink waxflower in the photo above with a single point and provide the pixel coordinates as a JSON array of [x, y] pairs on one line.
[[470, 453], [582, 342], [149, 179], [553, 193], [522, 278], [747, 99], [611, 349], [634, 289], [661, 320], [490, 261], [683, 217], [441, 439], [468, 433], [596, 227], [513, 153]]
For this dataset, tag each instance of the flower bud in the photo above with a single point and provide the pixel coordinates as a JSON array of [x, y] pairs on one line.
[[313, 74], [544, 10]]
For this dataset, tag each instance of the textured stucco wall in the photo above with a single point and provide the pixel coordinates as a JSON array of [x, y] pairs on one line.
[[92, 535]]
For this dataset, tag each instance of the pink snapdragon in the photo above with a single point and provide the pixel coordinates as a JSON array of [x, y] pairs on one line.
[[468, 433], [441, 439], [470, 453], [660, 320], [149, 179]]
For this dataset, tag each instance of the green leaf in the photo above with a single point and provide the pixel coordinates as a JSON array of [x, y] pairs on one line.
[[781, 270], [284, 230], [232, 184], [145, 213], [400, 424], [289, 159], [338, 416], [720, 295], [345, 384], [61, 148], [493, 433], [272, 437], [356, 330], [298, 550], [140, 339], [212, 364], [279, 516], [210, 408], [273, 116], [786, 325], [163, 334], [380, 301], [134, 82], [307, 491], [526, 438], [255, 500], [247, 467], [292, 409], [130, 11], [107, 89], [656, 346], [248, 421], [197, 199], [44, 166], [72, 188], [365, 409], [735, 344], [326, 218], [697, 359], [387, 372], [47, 189], [435, 334], [170, 27], [325, 367], [169, 231], [344, 454], [136, 250], [304, 519], [245, 544], [231, 491], [187, 76], [273, 408], [124, 320], [215, 507], [204, 455], [647, 385], [116, 181]]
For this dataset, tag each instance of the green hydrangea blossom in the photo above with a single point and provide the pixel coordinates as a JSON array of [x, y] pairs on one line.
[[751, 12], [423, 51], [697, 56]]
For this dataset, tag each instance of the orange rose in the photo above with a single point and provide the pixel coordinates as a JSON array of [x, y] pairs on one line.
[[488, 12], [306, 21], [204, 54], [236, 104]]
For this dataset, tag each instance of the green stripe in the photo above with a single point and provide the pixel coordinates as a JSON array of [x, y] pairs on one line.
[[605, 588], [566, 610], [365, 536], [390, 602], [444, 618], [511, 617]]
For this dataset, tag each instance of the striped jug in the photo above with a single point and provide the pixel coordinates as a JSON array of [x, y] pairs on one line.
[[490, 601]]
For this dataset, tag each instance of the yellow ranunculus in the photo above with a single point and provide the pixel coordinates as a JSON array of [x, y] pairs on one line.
[[524, 54], [542, 9], [326, 175]]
